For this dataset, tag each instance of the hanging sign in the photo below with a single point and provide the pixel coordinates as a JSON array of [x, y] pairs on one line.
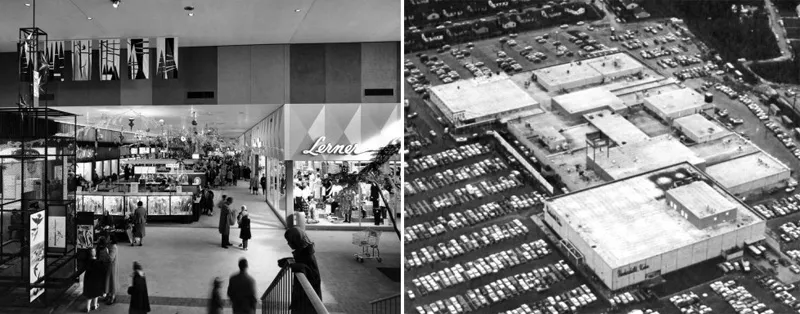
[[320, 147]]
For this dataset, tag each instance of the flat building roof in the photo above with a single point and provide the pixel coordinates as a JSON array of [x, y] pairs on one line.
[[614, 65], [589, 99], [567, 73], [756, 166], [616, 127], [701, 199], [479, 97], [675, 101], [656, 152], [698, 125], [628, 221]]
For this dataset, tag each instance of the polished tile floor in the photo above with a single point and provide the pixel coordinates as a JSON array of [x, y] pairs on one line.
[[180, 262]]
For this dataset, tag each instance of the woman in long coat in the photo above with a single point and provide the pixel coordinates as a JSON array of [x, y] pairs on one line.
[[244, 227], [140, 301], [109, 257], [93, 281]]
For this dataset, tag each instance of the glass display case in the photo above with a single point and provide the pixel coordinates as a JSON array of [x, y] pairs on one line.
[[37, 209], [157, 204], [114, 204], [133, 201]]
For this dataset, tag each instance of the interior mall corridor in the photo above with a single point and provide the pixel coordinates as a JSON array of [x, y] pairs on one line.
[[181, 260]]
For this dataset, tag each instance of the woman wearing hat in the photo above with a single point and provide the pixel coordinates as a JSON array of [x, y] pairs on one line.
[[140, 301]]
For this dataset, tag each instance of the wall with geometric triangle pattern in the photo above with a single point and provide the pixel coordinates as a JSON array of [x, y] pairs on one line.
[[370, 126]]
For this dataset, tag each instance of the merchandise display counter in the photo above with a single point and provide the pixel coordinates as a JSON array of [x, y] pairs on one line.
[[161, 206]]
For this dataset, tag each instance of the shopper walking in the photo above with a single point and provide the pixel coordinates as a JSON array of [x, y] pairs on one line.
[[215, 304], [196, 204], [140, 300], [231, 182], [264, 184], [302, 261], [254, 186], [226, 220], [108, 255], [93, 281], [242, 291], [244, 227], [374, 196], [208, 201], [139, 222]]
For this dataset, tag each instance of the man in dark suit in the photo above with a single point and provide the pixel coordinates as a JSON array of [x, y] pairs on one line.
[[139, 222], [225, 221], [242, 291]]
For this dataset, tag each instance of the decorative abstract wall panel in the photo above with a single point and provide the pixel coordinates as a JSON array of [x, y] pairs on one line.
[[167, 57], [139, 58], [81, 60], [54, 52], [109, 59]]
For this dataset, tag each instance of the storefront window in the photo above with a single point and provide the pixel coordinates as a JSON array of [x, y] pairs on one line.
[[274, 171], [328, 203]]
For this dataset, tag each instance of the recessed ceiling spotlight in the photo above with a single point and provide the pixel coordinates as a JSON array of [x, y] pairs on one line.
[[88, 17], [115, 3], [27, 4], [297, 10], [189, 9]]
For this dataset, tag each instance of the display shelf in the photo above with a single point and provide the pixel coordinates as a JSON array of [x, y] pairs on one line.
[[157, 204]]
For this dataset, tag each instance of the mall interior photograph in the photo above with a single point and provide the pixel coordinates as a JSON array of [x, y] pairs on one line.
[[200, 156]]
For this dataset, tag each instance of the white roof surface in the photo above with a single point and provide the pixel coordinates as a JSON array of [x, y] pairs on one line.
[[624, 64], [677, 100], [628, 221], [566, 73], [698, 125], [616, 127], [701, 199], [589, 99], [478, 97], [636, 158], [759, 165]]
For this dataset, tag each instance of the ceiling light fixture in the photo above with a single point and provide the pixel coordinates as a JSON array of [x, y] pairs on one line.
[[27, 4], [297, 10], [189, 9], [115, 3], [88, 17]]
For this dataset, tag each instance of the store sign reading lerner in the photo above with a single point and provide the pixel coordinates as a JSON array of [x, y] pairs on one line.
[[321, 147]]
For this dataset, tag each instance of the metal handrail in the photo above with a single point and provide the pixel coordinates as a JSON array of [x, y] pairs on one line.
[[275, 282], [312, 295], [384, 299], [282, 299], [387, 305]]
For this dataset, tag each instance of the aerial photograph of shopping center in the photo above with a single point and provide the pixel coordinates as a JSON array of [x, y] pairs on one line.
[[612, 156]]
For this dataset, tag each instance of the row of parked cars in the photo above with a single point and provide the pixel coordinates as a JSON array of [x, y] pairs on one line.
[[739, 298], [729, 91], [429, 230], [459, 274], [630, 297], [730, 266], [510, 287], [779, 207], [568, 302], [478, 69], [780, 291], [507, 63], [451, 176], [696, 72], [477, 190], [445, 158], [461, 245], [689, 303]]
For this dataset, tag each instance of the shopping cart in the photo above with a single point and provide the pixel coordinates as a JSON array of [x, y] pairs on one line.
[[368, 240]]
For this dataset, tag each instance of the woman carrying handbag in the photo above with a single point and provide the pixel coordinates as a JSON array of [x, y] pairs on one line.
[[244, 227]]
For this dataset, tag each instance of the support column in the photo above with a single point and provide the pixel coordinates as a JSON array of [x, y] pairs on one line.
[[289, 173]]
